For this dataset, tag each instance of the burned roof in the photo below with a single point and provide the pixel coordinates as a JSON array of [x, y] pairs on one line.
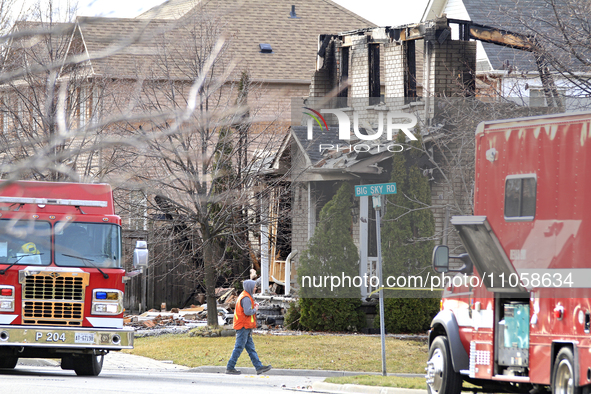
[[531, 17], [329, 154]]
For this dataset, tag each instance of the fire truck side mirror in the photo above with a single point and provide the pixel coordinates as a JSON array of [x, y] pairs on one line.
[[441, 259], [465, 264], [140, 254]]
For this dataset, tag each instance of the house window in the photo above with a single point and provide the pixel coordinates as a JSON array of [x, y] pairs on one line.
[[537, 97], [83, 107], [93, 105], [5, 121], [520, 197], [19, 118], [138, 210]]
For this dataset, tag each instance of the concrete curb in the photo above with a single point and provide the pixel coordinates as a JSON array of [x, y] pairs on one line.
[[299, 372], [356, 388]]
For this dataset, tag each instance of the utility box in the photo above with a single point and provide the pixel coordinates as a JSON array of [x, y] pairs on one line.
[[514, 332]]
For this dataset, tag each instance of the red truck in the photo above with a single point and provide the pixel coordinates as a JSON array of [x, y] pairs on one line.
[[61, 275], [520, 320]]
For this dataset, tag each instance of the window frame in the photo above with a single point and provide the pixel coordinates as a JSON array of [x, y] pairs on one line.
[[28, 238], [520, 218]]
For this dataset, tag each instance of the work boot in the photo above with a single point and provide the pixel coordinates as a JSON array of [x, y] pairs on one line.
[[233, 371], [263, 369]]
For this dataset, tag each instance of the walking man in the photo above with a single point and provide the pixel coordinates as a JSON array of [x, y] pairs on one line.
[[244, 322]]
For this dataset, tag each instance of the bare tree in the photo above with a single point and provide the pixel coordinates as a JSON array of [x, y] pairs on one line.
[[205, 169], [54, 111], [561, 29]]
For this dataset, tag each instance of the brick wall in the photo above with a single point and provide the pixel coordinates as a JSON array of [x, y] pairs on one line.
[[452, 65], [359, 71], [394, 69]]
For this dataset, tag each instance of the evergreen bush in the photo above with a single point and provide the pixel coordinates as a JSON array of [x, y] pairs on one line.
[[292, 317], [408, 315], [332, 314], [331, 251]]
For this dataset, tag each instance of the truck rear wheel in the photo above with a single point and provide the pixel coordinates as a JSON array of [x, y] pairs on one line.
[[563, 376], [88, 365], [441, 377], [8, 362]]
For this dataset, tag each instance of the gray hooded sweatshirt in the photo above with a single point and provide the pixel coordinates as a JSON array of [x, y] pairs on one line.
[[248, 286]]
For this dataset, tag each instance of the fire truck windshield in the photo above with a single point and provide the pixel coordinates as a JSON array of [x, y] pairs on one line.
[[88, 245], [25, 242]]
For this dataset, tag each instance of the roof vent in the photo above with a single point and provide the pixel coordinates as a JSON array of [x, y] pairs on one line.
[[266, 48], [292, 14]]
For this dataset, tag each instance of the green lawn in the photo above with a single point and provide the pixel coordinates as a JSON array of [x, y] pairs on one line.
[[324, 352]]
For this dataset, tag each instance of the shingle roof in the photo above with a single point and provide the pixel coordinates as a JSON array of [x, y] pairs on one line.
[[496, 13], [119, 47], [171, 9], [521, 16], [293, 40], [33, 38], [311, 146]]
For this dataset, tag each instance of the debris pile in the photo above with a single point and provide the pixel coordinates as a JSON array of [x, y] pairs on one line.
[[155, 322]]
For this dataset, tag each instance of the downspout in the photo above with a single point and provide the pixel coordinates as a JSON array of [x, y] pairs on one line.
[[427, 92], [288, 271]]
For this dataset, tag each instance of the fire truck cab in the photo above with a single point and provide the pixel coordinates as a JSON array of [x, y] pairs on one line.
[[515, 314], [61, 274]]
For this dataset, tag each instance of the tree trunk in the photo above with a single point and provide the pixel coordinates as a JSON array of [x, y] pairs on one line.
[[210, 278]]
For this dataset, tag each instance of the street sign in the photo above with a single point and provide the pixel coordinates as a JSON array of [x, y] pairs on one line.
[[378, 188], [376, 191]]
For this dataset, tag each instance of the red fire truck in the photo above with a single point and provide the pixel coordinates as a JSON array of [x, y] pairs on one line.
[[61, 275], [520, 320]]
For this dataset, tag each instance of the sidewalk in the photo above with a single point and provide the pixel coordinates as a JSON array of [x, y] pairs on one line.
[[300, 372], [323, 386], [356, 388]]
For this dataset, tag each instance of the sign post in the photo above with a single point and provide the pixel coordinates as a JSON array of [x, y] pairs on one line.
[[376, 191]]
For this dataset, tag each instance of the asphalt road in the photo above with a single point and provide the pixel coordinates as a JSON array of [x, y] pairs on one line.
[[133, 374]]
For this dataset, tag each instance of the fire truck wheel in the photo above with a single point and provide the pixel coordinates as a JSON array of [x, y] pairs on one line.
[[8, 362], [441, 377], [88, 365], [563, 376]]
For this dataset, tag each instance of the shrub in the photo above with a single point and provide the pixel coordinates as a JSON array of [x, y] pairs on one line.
[[331, 314], [408, 315], [292, 317], [331, 250]]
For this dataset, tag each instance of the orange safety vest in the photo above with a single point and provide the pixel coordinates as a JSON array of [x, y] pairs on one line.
[[240, 319]]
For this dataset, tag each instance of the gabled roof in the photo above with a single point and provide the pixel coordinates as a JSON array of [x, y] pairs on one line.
[[294, 41], [37, 44], [120, 47], [171, 9]]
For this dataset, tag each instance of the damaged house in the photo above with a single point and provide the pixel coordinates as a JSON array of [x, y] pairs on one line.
[[371, 84], [377, 78]]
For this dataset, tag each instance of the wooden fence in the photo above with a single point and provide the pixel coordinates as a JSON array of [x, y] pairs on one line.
[[165, 282]]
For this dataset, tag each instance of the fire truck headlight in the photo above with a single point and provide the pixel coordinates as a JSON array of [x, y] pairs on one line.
[[110, 309], [6, 298], [107, 302]]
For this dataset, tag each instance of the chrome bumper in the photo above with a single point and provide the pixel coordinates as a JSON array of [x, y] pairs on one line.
[[66, 337]]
